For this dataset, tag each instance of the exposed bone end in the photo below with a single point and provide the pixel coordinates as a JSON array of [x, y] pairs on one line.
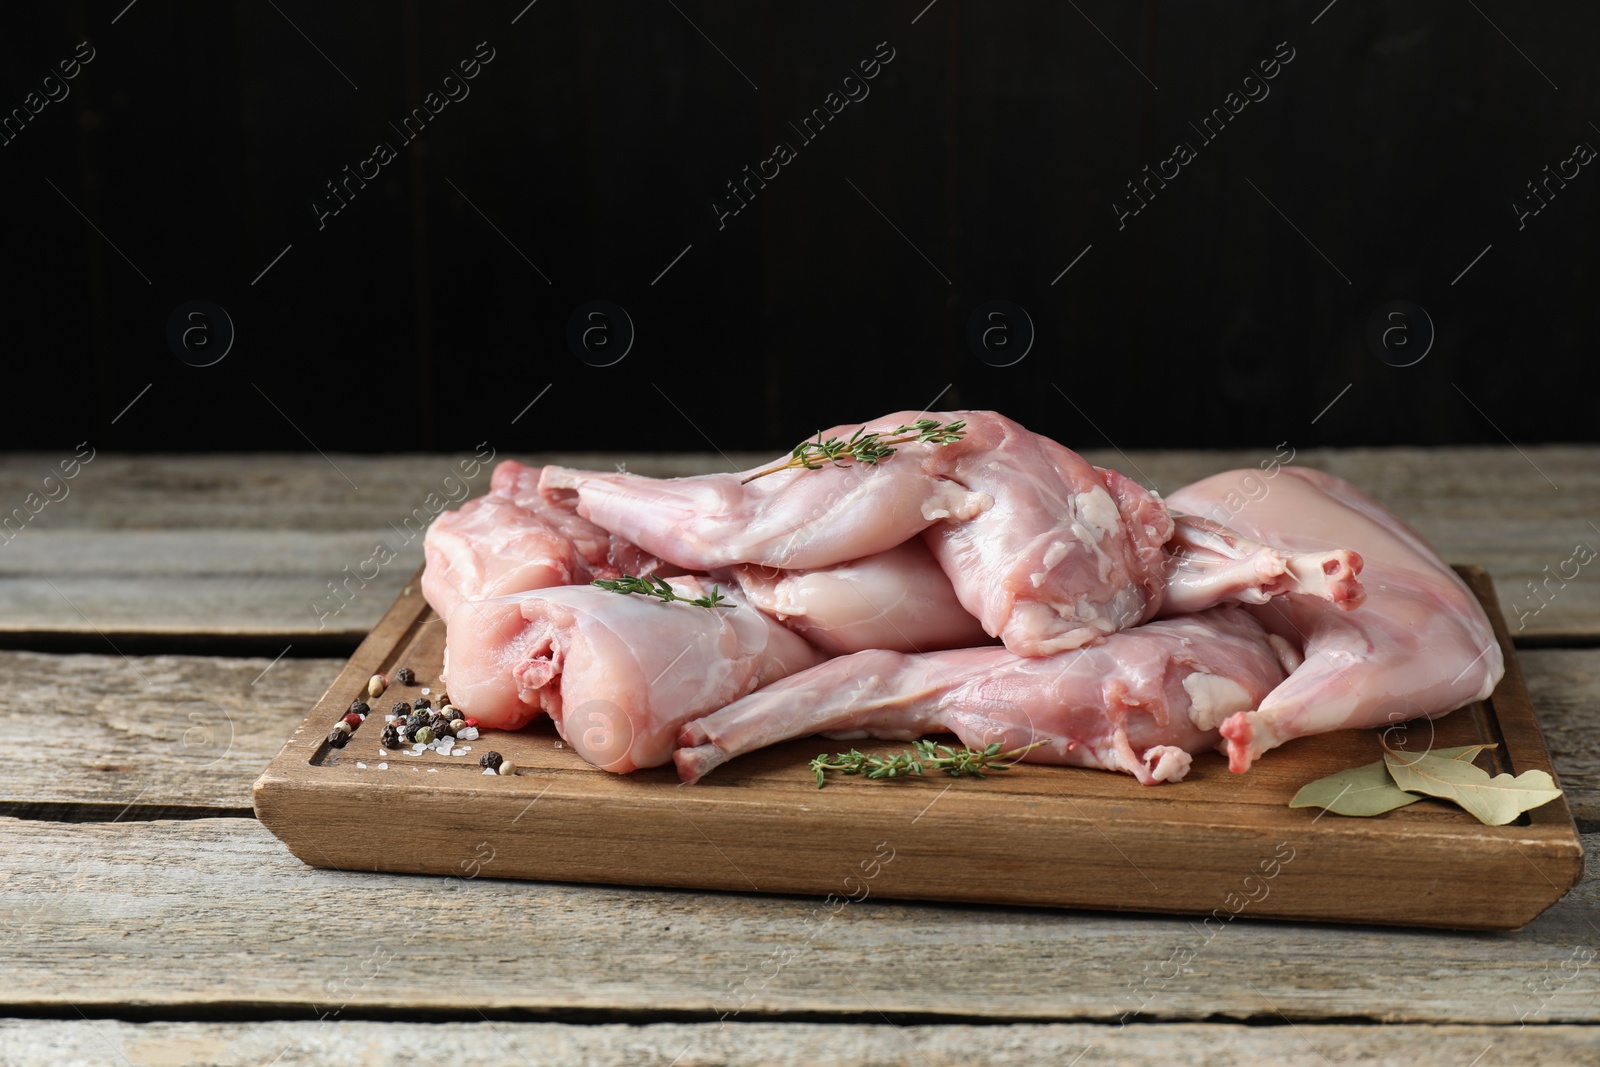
[[1332, 576], [695, 763], [1242, 741]]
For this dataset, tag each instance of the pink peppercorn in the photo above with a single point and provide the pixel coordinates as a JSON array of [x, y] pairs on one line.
[[471, 722], [352, 720]]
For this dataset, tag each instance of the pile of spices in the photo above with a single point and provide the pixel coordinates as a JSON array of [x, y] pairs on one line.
[[418, 723]]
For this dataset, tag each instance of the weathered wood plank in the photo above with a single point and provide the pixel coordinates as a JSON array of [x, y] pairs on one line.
[[1564, 685], [210, 913], [468, 1044], [148, 731], [113, 719], [248, 544]]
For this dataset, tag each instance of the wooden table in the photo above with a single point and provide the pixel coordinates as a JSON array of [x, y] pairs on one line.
[[167, 623]]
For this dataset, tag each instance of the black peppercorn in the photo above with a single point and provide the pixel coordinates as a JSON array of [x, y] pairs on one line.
[[421, 702], [418, 720], [440, 724], [359, 707], [405, 676], [391, 737], [337, 738], [401, 708], [491, 760]]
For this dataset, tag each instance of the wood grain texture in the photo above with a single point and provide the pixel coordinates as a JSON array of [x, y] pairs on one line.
[[214, 915], [117, 721], [1564, 685], [147, 731], [471, 1044], [248, 544]]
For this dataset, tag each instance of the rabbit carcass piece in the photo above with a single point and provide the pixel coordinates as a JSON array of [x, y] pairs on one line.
[[1419, 645]]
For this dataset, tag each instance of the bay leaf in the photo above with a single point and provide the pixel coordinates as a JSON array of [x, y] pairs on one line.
[[1495, 801], [1370, 789]]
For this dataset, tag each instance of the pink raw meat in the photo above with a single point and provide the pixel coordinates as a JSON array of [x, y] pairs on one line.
[[1068, 553], [1213, 564], [1420, 644], [1138, 702], [620, 674], [514, 540], [797, 519], [898, 600]]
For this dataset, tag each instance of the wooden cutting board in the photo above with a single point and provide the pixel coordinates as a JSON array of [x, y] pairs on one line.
[[1216, 844]]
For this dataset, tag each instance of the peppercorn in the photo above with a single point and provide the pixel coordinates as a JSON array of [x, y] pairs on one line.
[[391, 737], [417, 721], [400, 708], [359, 707], [421, 702], [457, 725], [405, 676], [438, 722], [376, 685], [491, 760], [338, 737], [470, 721], [352, 720], [423, 736], [507, 767]]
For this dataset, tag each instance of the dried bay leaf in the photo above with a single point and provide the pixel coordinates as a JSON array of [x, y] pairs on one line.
[[1495, 801], [1370, 790]]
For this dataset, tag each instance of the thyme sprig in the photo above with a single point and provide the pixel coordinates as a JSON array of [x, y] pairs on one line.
[[863, 447], [658, 588], [923, 756]]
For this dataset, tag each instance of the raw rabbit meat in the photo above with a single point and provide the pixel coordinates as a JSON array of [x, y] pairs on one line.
[[797, 519], [1140, 702], [619, 674], [898, 600], [1213, 564], [1068, 553], [1046, 550], [514, 540], [1420, 645]]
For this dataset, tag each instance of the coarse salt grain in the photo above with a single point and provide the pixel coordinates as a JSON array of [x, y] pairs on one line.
[[383, 752], [383, 766], [491, 771], [363, 766], [426, 691], [433, 770], [467, 733]]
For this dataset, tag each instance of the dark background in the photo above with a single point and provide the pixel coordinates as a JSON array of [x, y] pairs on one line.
[[995, 142]]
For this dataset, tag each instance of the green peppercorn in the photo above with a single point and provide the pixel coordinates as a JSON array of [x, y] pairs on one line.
[[422, 736]]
